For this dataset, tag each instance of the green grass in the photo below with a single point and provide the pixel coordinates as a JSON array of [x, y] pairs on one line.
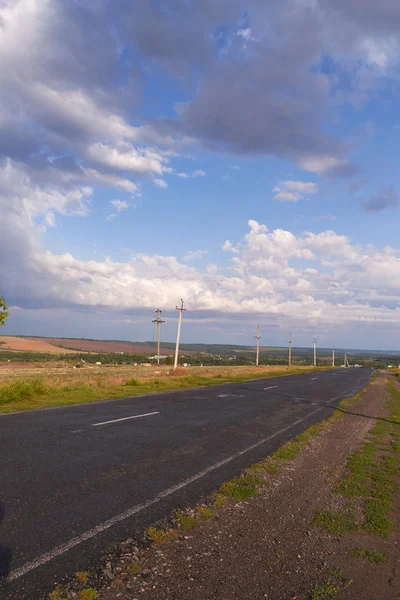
[[185, 521], [88, 594], [161, 536], [339, 524], [371, 475], [30, 394], [372, 555], [328, 589]]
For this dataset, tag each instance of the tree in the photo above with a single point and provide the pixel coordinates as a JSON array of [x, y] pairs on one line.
[[3, 311]]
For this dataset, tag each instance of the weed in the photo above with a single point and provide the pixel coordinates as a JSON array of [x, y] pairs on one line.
[[88, 594], [82, 577], [242, 487], [378, 523], [372, 555], [22, 389], [328, 589], [204, 513], [132, 382], [135, 568], [219, 500], [57, 594], [185, 521], [161, 536], [336, 523]]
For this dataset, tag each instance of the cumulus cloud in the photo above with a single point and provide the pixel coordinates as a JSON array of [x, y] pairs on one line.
[[318, 280], [199, 173], [292, 191]]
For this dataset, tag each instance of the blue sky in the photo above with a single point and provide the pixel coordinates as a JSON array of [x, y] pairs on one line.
[[238, 155]]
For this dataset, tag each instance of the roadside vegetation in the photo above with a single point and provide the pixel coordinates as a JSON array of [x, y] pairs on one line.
[[53, 390], [369, 483]]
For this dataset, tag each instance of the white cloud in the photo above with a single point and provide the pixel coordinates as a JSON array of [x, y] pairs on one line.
[[292, 191], [309, 280], [194, 254], [120, 205], [110, 217], [199, 173], [127, 158], [160, 183]]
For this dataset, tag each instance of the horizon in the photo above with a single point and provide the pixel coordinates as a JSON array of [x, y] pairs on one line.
[[247, 346]]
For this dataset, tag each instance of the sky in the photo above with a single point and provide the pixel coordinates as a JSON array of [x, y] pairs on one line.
[[241, 155]]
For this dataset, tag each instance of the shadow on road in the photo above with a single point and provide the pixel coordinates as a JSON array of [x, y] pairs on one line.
[[5, 554]]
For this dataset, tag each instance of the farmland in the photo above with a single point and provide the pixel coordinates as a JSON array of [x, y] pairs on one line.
[[22, 344]]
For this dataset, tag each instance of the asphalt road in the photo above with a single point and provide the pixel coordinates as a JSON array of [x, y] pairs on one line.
[[74, 480]]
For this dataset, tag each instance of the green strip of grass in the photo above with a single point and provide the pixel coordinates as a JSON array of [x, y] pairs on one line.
[[371, 475], [31, 394]]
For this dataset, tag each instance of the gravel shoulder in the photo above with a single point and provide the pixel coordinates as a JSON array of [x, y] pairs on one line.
[[267, 546]]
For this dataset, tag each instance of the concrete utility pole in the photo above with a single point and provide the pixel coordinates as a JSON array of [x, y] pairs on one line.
[[315, 352], [333, 357], [290, 351], [257, 337], [178, 335], [158, 321]]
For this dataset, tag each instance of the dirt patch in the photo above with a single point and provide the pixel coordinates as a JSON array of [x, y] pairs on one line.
[[30, 345], [267, 547]]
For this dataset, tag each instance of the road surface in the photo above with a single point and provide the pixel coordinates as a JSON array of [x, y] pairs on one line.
[[75, 479]]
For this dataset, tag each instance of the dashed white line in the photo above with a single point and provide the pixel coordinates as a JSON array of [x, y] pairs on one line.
[[48, 556], [125, 419], [271, 387], [313, 378]]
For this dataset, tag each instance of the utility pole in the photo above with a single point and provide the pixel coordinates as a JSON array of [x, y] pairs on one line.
[[158, 321], [315, 352], [333, 357], [257, 337], [290, 351], [178, 335]]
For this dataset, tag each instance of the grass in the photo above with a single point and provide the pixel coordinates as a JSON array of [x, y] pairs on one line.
[[329, 588], [161, 536], [135, 568], [185, 521], [371, 475], [336, 523], [57, 594], [88, 594], [82, 577], [53, 390], [372, 555]]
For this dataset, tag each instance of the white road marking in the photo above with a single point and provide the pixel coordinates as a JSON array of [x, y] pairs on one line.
[[271, 387], [125, 419], [87, 535], [230, 396], [313, 378]]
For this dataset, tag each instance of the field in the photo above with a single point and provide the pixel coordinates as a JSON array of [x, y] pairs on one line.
[[39, 385], [30, 345], [105, 346]]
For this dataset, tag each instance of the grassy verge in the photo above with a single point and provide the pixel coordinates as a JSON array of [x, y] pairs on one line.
[[30, 394], [370, 479]]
